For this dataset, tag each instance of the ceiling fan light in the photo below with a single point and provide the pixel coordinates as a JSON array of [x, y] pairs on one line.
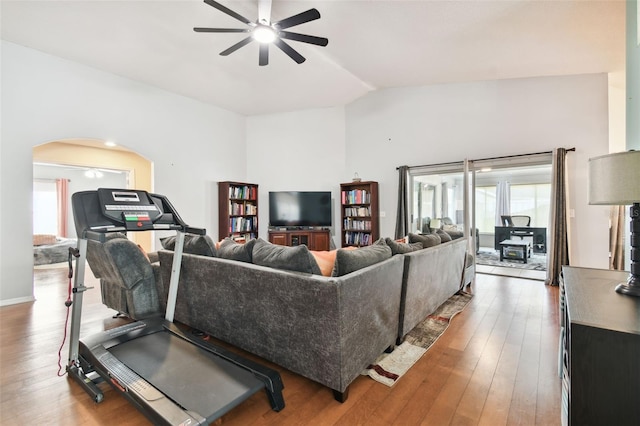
[[264, 34]]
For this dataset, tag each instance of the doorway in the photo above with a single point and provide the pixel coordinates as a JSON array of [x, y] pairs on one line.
[[494, 189]]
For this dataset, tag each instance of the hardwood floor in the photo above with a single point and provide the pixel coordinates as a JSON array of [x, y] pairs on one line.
[[495, 365]]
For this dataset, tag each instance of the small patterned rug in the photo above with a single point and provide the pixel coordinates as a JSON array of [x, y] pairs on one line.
[[537, 262], [388, 368]]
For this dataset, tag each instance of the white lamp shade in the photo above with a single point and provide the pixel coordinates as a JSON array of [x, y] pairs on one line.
[[614, 179]]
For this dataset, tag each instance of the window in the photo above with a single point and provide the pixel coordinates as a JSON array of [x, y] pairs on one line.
[[532, 200], [45, 208], [486, 208]]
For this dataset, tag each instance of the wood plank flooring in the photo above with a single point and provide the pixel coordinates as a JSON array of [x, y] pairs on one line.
[[495, 365]]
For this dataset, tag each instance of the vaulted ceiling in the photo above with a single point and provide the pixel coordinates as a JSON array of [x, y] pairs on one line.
[[373, 45]]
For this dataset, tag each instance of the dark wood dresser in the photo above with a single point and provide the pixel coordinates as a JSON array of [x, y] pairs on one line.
[[600, 350]]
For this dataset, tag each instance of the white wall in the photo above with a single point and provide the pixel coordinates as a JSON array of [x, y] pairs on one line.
[[44, 98], [297, 151], [451, 122], [193, 145]]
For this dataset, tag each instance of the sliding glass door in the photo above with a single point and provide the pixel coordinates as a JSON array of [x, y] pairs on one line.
[[480, 195]]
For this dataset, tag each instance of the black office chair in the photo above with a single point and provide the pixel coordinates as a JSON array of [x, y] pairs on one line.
[[521, 221]]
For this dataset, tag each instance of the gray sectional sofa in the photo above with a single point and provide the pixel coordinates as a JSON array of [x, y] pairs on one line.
[[325, 328], [272, 300]]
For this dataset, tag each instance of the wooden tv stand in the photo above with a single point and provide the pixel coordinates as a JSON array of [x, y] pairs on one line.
[[314, 239]]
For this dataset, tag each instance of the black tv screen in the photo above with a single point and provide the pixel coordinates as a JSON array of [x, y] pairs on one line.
[[290, 208]]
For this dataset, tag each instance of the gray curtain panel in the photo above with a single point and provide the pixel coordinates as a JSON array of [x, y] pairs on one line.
[[402, 216], [558, 250]]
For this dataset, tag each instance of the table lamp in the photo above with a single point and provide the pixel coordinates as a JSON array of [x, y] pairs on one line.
[[614, 179]]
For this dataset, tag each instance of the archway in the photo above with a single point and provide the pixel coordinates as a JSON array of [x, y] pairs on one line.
[[93, 154]]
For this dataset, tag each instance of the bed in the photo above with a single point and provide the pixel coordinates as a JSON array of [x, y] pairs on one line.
[[49, 249]]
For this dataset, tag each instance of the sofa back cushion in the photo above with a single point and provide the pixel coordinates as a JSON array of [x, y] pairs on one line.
[[297, 258], [193, 244], [427, 240], [348, 261], [232, 250], [401, 248], [444, 237]]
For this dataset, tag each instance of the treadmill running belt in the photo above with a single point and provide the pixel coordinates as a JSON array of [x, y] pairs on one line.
[[192, 377]]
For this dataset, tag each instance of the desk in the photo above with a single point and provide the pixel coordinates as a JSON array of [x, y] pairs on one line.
[[539, 243]]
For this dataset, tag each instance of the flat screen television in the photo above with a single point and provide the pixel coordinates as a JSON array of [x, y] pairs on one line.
[[306, 208]]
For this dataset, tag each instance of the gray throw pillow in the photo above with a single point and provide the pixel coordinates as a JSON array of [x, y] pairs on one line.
[[427, 240], [297, 258], [232, 250], [193, 244], [401, 248], [444, 237], [454, 234], [348, 261]]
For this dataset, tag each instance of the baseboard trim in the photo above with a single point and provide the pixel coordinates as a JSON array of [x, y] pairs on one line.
[[17, 300]]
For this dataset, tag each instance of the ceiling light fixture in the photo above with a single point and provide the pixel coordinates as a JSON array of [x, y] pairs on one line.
[[110, 144], [264, 34]]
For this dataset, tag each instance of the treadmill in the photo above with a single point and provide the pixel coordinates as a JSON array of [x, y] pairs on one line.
[[172, 377]]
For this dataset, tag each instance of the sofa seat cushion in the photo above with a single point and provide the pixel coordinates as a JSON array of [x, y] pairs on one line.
[[427, 240], [348, 261], [297, 258], [229, 249], [401, 247], [202, 245]]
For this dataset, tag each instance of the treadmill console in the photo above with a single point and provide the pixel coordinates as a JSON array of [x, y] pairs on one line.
[[134, 209], [110, 210]]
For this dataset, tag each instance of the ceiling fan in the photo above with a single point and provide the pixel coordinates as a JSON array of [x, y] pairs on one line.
[[266, 32]]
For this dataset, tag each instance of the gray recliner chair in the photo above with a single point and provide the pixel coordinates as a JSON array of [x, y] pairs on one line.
[[127, 278]]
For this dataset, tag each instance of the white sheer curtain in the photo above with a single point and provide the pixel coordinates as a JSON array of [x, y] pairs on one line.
[[503, 201]]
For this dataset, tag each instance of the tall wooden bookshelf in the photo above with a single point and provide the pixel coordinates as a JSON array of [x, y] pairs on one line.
[[237, 210], [359, 211]]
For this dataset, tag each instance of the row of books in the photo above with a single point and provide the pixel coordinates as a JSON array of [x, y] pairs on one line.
[[243, 238], [357, 211], [240, 224], [238, 209], [245, 192], [356, 196], [357, 238], [364, 225]]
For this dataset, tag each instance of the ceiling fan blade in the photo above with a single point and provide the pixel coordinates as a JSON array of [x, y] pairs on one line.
[[289, 51], [300, 18], [264, 11], [220, 30], [264, 54], [320, 41], [237, 46], [228, 11]]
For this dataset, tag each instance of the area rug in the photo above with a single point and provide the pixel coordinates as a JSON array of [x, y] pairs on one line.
[[537, 262], [389, 368]]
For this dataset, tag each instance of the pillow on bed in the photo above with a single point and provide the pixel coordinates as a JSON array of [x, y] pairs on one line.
[[43, 239], [348, 261], [444, 237]]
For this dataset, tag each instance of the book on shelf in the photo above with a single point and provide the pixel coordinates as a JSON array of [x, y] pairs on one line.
[[240, 224], [245, 192], [364, 225], [242, 208], [356, 196], [358, 211], [357, 238]]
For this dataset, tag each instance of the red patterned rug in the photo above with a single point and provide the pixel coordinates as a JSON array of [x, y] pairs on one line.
[[388, 368]]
